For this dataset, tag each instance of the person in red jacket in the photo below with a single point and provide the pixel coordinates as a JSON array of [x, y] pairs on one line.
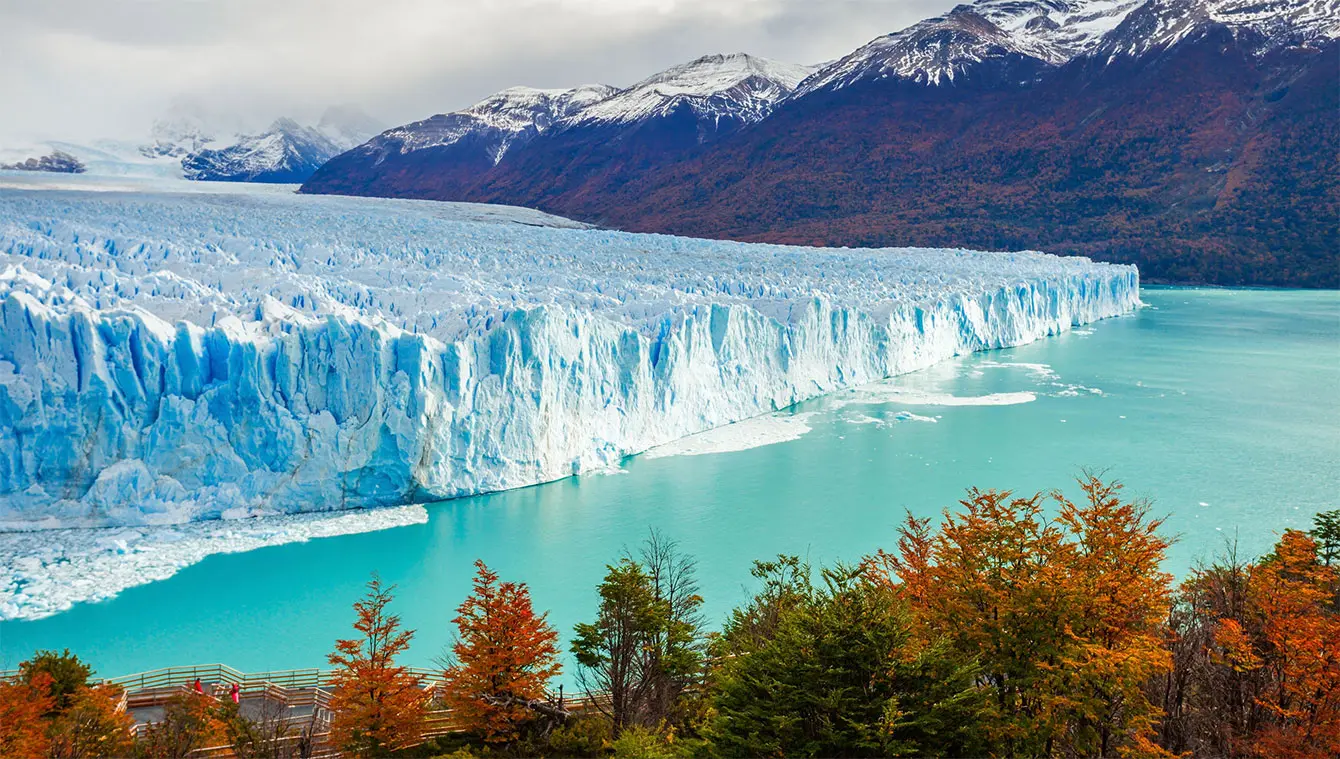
[[236, 693]]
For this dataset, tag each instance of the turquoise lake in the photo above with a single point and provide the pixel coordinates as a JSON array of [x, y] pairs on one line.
[[1220, 406]]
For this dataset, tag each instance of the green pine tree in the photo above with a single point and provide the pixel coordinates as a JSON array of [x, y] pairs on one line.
[[831, 671]]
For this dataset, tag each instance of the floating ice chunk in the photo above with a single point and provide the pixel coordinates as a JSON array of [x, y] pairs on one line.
[[865, 419], [740, 436], [885, 393], [47, 571], [908, 416], [1036, 371]]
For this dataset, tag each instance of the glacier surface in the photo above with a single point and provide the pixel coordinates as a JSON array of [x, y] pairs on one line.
[[169, 357]]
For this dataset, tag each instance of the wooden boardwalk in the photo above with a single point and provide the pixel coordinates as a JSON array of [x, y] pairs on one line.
[[300, 698]]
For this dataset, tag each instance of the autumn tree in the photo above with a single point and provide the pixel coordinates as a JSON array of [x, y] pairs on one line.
[[22, 705], [80, 719], [92, 725], [1063, 614], [378, 705], [1255, 648], [68, 675], [503, 658], [191, 721], [1121, 598], [1289, 633]]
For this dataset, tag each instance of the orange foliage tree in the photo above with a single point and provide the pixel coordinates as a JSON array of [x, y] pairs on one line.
[[22, 704], [1289, 637], [1064, 615], [92, 725], [504, 656], [378, 705]]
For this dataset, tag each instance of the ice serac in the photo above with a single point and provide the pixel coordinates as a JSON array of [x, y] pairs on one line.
[[166, 358]]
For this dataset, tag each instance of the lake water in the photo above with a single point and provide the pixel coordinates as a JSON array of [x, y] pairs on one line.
[[1219, 405]]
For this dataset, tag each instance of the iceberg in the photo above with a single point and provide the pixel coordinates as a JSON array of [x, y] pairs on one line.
[[170, 357]]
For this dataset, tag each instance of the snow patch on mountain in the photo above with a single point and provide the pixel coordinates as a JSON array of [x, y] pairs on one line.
[[740, 87], [169, 357], [497, 123], [943, 48], [1268, 24]]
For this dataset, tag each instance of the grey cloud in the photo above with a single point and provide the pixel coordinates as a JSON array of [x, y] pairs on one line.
[[89, 68]]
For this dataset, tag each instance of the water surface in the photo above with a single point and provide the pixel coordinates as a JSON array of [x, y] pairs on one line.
[[1218, 405]]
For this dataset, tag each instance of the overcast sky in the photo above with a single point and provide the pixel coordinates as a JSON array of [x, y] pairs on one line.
[[79, 69]]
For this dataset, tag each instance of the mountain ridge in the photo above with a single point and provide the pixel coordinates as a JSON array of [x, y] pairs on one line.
[[1187, 136]]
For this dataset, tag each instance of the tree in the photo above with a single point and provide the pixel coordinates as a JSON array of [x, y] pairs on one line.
[[1121, 598], [1326, 531], [678, 646], [1197, 686], [378, 706], [1065, 616], [68, 675], [22, 704], [611, 652], [504, 656], [1290, 633], [268, 734], [92, 725], [190, 722], [646, 646], [1257, 657], [834, 671]]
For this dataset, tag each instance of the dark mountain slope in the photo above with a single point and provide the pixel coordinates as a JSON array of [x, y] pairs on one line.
[[1200, 164]]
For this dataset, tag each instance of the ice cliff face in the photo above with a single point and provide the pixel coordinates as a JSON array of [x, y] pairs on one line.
[[168, 357]]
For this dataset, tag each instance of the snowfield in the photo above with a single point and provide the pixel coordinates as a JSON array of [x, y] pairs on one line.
[[170, 357]]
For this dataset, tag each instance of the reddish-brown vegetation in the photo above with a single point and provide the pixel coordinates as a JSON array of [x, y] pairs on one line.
[[378, 705], [505, 656]]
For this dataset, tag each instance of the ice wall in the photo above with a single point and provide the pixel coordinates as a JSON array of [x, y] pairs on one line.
[[167, 358]]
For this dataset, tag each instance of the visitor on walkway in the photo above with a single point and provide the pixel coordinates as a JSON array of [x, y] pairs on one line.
[[199, 687], [236, 693]]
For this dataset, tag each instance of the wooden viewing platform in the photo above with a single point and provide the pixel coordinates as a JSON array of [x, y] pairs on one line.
[[298, 697]]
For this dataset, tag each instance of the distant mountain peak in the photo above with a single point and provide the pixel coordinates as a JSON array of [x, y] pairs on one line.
[[944, 48], [735, 85], [1270, 24], [497, 122]]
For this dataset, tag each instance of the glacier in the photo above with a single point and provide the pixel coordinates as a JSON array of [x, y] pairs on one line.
[[172, 357]]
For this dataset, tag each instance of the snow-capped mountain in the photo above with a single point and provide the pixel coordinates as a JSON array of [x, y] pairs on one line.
[[944, 48], [655, 119], [285, 152], [737, 87], [1261, 25], [1164, 132], [186, 127], [491, 126]]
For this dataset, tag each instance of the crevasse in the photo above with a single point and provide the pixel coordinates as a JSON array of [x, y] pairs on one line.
[[165, 358]]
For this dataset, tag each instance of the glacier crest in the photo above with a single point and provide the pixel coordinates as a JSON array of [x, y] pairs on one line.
[[231, 386]]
